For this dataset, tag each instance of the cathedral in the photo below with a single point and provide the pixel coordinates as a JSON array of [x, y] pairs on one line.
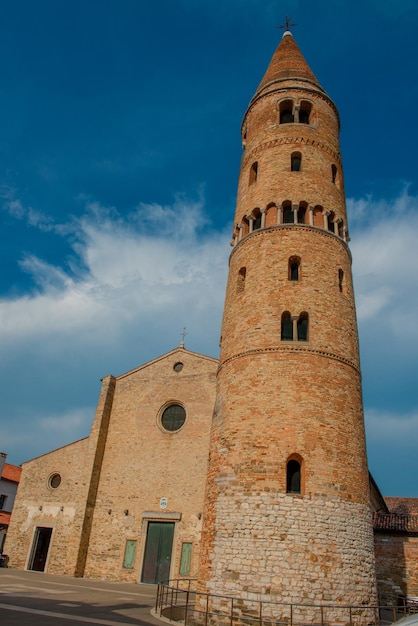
[[248, 473]]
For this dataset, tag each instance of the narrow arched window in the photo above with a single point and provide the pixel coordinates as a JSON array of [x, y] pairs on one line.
[[296, 162], [257, 219], [293, 476], [286, 112], [287, 327], [253, 172], [241, 279], [334, 172], [340, 225], [288, 217], [305, 112], [294, 267], [330, 221], [341, 280], [302, 327], [301, 214]]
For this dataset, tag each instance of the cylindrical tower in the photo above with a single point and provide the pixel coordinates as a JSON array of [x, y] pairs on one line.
[[287, 502]]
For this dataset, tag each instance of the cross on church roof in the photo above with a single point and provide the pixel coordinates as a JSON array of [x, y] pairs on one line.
[[288, 24], [183, 335]]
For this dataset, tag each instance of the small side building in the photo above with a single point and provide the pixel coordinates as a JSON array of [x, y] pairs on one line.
[[396, 548], [9, 482]]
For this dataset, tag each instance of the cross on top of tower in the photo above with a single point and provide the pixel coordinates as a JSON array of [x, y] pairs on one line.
[[288, 24]]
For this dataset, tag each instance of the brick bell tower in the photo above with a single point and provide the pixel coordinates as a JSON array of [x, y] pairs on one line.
[[287, 509]]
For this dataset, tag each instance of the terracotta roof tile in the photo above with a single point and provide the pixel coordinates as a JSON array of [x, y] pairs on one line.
[[11, 472], [402, 506], [395, 523], [4, 518]]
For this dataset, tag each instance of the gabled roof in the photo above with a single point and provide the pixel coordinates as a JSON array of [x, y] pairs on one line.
[[178, 352], [51, 452], [11, 472]]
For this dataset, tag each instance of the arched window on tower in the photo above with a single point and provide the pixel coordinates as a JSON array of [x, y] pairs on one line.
[[340, 226], [294, 268], [302, 213], [296, 162], [253, 172], [245, 226], [341, 283], [286, 112], [257, 219], [288, 214], [241, 279], [302, 326], [293, 476], [334, 173], [330, 221], [287, 327], [305, 112]]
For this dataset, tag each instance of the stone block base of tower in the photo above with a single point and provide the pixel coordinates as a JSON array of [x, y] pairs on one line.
[[272, 551]]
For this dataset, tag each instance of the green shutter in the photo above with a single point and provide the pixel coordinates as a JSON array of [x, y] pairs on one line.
[[129, 558], [186, 556]]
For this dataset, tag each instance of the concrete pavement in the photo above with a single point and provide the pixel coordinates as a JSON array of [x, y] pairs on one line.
[[39, 599]]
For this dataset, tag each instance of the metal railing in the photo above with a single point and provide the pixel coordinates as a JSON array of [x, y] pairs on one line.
[[179, 601]]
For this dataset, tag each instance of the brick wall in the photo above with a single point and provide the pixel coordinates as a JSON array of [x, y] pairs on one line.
[[39, 505], [143, 463], [279, 399], [396, 564]]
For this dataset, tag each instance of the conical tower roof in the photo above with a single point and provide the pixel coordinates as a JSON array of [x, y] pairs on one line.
[[287, 63]]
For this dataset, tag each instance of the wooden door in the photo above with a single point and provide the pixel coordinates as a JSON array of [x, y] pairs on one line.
[[158, 547]]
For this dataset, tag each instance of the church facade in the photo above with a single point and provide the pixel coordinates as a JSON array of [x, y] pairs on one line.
[[248, 473]]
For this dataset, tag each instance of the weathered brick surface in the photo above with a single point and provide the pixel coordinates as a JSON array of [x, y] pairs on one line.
[[397, 564], [280, 398], [143, 463]]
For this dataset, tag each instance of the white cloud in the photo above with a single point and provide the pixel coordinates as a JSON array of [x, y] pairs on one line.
[[394, 428], [134, 282], [385, 263], [67, 422], [148, 264]]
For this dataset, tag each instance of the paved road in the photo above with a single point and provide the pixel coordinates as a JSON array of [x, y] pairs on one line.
[[38, 599]]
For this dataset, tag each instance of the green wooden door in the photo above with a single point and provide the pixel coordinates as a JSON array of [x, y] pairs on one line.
[[157, 557]]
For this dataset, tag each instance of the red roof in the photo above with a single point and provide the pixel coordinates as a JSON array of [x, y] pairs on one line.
[[4, 518], [11, 472], [402, 506], [396, 523], [402, 516]]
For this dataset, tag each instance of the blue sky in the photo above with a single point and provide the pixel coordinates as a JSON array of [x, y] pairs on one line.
[[119, 155]]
